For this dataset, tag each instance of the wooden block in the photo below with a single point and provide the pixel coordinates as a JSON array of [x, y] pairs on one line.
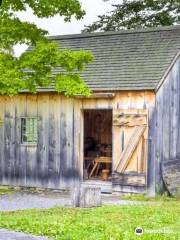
[[86, 197]]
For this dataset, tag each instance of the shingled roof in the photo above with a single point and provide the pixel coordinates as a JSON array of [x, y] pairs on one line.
[[126, 60]]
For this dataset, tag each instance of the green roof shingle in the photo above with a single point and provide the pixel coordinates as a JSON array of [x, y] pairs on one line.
[[126, 60]]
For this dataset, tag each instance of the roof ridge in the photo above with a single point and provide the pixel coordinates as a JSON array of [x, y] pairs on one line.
[[109, 33]]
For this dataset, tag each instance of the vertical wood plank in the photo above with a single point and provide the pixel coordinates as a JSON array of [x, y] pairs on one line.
[[63, 144], [51, 176], [9, 140], [2, 137], [43, 141], [78, 138], [56, 146], [31, 148], [70, 141], [21, 164], [19, 180], [178, 103]]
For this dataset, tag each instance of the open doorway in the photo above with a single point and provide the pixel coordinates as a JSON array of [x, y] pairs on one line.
[[97, 144]]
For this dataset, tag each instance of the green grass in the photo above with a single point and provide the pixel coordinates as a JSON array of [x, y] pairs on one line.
[[104, 223], [6, 190], [144, 197]]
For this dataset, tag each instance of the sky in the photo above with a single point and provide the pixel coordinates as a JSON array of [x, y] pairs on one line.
[[56, 25]]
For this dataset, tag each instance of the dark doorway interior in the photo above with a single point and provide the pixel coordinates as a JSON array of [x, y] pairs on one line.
[[97, 144]]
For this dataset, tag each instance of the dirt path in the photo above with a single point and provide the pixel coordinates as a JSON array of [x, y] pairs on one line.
[[26, 200]]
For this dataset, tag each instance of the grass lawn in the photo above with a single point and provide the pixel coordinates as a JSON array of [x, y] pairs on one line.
[[6, 190], [104, 223]]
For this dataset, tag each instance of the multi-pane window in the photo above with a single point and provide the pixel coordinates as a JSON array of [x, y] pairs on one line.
[[29, 130]]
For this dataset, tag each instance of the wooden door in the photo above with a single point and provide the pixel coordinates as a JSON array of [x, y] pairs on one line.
[[130, 146]]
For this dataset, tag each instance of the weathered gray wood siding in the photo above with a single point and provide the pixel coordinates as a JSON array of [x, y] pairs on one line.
[[57, 159], [50, 163], [166, 138]]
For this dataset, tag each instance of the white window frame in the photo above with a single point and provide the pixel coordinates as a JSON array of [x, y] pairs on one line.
[[29, 130]]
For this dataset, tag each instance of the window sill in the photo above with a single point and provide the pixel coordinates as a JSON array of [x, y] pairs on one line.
[[29, 144]]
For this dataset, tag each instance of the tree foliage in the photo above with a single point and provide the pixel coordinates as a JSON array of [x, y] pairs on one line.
[[34, 68], [132, 14]]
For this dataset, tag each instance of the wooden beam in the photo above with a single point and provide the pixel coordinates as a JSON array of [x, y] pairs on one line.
[[129, 179], [97, 95], [130, 120]]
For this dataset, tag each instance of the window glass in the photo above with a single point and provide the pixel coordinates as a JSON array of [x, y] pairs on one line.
[[29, 130]]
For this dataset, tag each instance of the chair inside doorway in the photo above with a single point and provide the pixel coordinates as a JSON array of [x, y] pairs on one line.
[[97, 144]]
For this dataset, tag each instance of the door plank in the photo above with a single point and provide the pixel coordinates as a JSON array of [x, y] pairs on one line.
[[131, 146]]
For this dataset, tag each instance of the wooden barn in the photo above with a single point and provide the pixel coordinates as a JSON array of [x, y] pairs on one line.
[[119, 137]]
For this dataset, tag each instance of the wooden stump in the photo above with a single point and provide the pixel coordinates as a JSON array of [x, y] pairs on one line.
[[86, 197]]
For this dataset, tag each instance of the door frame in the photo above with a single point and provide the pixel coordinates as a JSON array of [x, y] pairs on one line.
[[82, 135]]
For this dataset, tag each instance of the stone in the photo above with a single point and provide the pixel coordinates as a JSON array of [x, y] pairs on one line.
[[171, 175]]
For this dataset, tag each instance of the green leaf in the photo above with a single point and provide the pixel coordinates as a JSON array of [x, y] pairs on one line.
[[131, 14], [34, 68]]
